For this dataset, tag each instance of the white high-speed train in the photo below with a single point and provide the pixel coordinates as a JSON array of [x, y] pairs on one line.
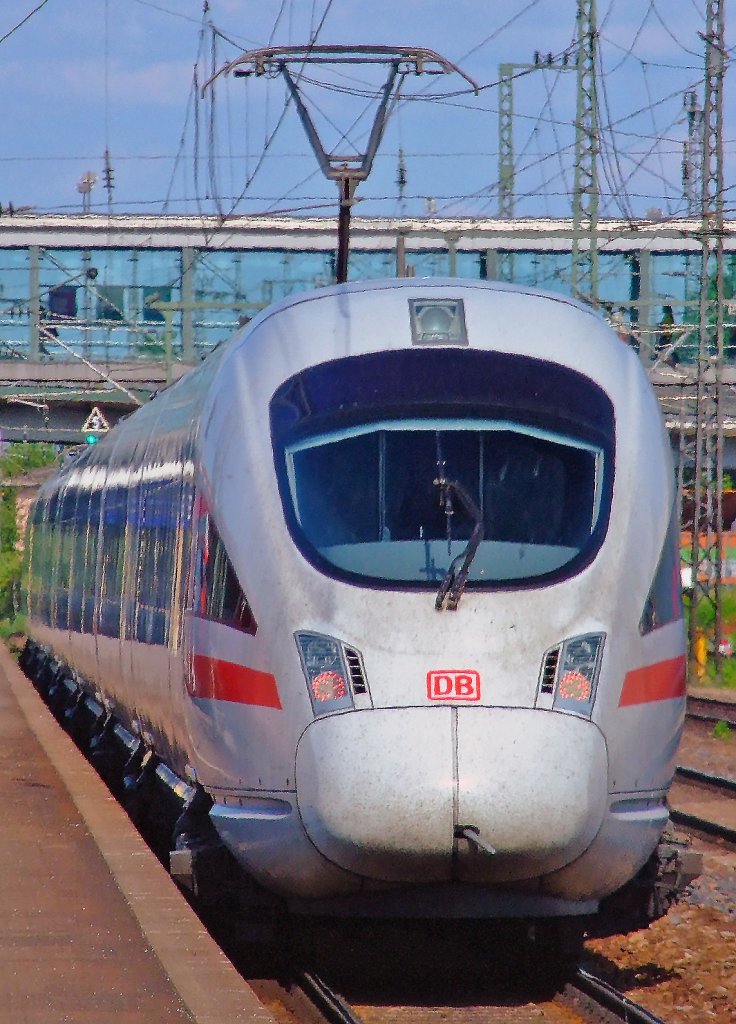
[[393, 578]]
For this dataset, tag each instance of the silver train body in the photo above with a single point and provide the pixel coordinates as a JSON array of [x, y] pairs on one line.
[[261, 573]]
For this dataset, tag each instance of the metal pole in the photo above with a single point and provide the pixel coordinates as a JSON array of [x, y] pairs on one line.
[[707, 542], [681, 453], [347, 186], [188, 269], [715, 62], [34, 302], [505, 141], [585, 200], [401, 255], [452, 255]]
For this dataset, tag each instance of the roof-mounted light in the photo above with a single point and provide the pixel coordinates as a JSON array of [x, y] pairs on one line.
[[438, 322]]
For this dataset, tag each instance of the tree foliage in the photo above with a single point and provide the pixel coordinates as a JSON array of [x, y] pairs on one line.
[[15, 462]]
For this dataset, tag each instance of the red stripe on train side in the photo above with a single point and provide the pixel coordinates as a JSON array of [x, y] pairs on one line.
[[224, 680], [661, 681]]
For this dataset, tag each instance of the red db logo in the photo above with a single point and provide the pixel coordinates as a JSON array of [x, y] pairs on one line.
[[452, 685]]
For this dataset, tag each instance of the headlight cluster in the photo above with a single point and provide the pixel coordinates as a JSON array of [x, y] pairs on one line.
[[570, 673], [326, 671]]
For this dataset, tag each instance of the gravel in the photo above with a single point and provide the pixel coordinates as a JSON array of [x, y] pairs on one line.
[[683, 967]]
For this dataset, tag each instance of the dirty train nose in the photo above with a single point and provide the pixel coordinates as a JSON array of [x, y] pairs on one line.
[[433, 794]]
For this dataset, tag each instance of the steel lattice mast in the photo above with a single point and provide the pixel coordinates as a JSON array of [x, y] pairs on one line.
[[506, 164], [506, 140], [692, 156], [707, 520], [587, 148]]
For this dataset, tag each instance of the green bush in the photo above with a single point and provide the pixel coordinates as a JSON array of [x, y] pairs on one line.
[[16, 460], [11, 627], [722, 731], [11, 574], [728, 671], [22, 457], [706, 612]]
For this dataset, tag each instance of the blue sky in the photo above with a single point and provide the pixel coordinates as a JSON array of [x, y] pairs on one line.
[[81, 75]]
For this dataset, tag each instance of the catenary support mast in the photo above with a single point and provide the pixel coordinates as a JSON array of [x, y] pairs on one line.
[[587, 148], [506, 160], [707, 514]]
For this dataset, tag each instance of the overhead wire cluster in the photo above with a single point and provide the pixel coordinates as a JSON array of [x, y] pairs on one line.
[[232, 133], [631, 152]]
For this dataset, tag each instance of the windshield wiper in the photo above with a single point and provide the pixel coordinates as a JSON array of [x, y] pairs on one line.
[[454, 580]]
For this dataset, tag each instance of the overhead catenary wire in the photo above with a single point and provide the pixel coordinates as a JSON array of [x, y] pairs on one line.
[[629, 50], [604, 127], [220, 159], [167, 10], [23, 21], [654, 126], [670, 33], [345, 135], [634, 134], [208, 195], [622, 198], [287, 102]]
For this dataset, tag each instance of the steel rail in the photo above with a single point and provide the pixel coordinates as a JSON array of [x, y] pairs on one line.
[[589, 994], [712, 829], [605, 995], [703, 709], [330, 1005], [718, 783]]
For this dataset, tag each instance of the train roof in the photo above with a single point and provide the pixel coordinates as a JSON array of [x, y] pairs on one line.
[[418, 284], [368, 316]]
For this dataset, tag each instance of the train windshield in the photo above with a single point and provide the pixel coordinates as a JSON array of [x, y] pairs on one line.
[[364, 499]]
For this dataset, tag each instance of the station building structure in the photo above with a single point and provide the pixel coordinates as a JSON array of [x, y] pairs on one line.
[[128, 293], [114, 288]]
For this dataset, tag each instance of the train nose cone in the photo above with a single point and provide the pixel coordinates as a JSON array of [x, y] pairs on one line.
[[375, 791], [534, 784], [384, 793]]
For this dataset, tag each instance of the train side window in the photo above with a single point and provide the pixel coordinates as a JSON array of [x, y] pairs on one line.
[[76, 557], [664, 601], [157, 536], [80, 568], [113, 513], [219, 594], [182, 548], [91, 548], [37, 570], [63, 567], [55, 527]]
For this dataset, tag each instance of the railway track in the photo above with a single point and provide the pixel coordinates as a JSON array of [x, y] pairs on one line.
[[606, 998], [705, 709], [704, 803], [585, 999]]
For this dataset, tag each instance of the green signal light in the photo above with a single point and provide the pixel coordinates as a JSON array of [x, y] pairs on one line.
[[91, 439]]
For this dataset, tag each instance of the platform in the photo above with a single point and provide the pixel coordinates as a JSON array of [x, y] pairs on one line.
[[93, 928]]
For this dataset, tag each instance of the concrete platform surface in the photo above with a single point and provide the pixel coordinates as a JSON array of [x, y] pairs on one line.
[[92, 929]]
